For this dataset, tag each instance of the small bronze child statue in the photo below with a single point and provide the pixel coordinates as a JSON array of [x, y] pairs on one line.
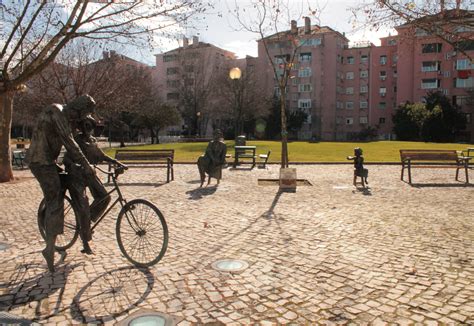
[[359, 170]]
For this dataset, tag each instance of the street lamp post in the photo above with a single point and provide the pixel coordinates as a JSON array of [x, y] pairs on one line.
[[235, 74]]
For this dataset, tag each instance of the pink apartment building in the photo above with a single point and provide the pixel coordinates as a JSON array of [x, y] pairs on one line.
[[347, 89]]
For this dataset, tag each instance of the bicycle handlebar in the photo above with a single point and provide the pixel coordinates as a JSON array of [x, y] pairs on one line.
[[118, 169]]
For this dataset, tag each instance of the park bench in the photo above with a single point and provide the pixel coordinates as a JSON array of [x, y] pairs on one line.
[[147, 157], [18, 157], [244, 152], [264, 158], [425, 158]]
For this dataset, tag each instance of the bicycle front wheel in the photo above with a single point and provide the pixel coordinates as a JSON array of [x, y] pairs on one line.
[[66, 239], [142, 233]]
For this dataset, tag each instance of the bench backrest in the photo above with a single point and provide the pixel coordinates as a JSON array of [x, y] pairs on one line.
[[428, 155], [144, 155]]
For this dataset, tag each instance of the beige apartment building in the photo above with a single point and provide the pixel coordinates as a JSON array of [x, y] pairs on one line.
[[187, 77]]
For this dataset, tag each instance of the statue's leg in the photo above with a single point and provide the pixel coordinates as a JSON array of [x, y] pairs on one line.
[[208, 180], [77, 190], [101, 198], [48, 178], [354, 182]]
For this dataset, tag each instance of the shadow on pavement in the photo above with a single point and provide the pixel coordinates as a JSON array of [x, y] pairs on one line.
[[138, 184], [30, 282], [441, 185], [112, 294], [199, 193]]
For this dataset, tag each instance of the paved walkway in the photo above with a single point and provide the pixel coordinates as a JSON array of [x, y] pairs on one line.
[[325, 254]]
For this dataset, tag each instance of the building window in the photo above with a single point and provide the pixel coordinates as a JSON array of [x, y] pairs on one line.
[[304, 88], [363, 120], [350, 90], [304, 104], [295, 97], [172, 96], [381, 120], [464, 82], [189, 68], [364, 104], [461, 100], [339, 105], [383, 75], [420, 32], [172, 71], [349, 105], [170, 57], [464, 64], [468, 118], [392, 42], [305, 57], [467, 45], [364, 73], [395, 58], [431, 48], [294, 81], [364, 58], [349, 121], [304, 72], [383, 60], [430, 83], [427, 66], [172, 83], [395, 74], [382, 105], [311, 42], [350, 60], [350, 75], [383, 91], [364, 88]]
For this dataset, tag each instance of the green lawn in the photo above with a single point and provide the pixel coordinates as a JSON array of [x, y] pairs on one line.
[[299, 151]]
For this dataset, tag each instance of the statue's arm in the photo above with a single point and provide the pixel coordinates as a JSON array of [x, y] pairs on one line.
[[64, 132]]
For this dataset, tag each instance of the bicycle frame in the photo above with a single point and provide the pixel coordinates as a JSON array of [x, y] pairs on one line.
[[119, 199]]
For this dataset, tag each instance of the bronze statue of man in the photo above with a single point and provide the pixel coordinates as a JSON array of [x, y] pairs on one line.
[[54, 128], [213, 159], [88, 144]]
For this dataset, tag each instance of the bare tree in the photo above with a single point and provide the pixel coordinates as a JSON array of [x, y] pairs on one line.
[[451, 21], [241, 99], [195, 86], [266, 23], [36, 31]]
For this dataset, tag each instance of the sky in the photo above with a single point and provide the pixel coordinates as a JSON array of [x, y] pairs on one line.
[[221, 29]]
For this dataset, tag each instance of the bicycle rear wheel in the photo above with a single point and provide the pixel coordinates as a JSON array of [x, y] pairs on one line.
[[71, 231], [142, 233]]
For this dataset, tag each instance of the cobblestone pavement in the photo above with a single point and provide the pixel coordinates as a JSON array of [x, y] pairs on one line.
[[326, 254]]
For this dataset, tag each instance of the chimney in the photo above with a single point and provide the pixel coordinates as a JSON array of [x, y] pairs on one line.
[[294, 27], [195, 40], [307, 25], [185, 42]]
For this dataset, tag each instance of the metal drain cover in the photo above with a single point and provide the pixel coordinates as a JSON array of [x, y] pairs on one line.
[[230, 265], [4, 246], [148, 320], [147, 317], [9, 319]]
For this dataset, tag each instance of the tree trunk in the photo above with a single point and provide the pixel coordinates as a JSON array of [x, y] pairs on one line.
[[284, 133], [6, 110]]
